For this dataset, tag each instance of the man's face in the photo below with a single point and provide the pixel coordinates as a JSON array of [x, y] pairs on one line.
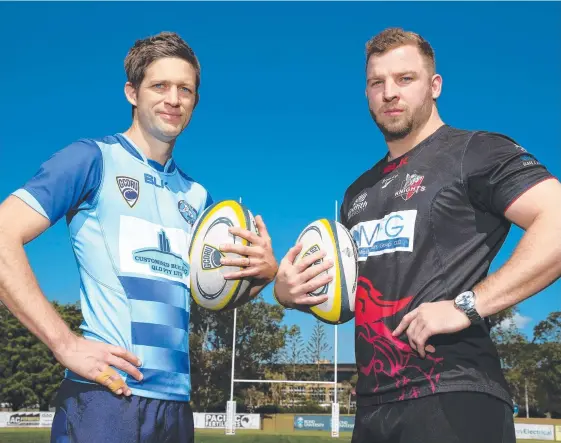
[[400, 91], [166, 98]]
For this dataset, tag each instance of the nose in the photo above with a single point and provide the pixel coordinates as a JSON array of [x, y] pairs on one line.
[[390, 91], [172, 96]]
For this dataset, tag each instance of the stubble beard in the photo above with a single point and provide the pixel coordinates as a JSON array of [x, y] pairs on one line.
[[399, 127]]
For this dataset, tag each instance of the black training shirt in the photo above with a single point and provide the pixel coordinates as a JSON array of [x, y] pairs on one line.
[[427, 226]]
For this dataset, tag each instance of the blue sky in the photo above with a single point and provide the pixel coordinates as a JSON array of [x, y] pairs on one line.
[[282, 121]]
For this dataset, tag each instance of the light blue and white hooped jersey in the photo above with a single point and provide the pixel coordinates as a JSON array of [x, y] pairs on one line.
[[130, 221]]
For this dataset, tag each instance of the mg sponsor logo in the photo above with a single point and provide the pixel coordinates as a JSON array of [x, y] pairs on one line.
[[395, 232]]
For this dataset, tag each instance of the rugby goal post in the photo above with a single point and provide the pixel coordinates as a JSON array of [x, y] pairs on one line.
[[230, 423]]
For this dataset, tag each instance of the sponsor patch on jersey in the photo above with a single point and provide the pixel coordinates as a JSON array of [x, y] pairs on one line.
[[527, 158], [359, 204], [152, 250], [129, 188], [411, 186], [187, 212], [386, 181], [395, 232]]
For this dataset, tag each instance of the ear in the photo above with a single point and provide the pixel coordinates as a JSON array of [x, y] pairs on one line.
[[436, 86], [130, 93]]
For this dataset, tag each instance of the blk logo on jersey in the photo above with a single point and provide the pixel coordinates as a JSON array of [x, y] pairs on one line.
[[395, 165], [187, 212], [411, 186], [395, 232], [129, 188]]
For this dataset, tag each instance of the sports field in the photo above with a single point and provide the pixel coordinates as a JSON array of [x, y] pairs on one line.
[[203, 436]]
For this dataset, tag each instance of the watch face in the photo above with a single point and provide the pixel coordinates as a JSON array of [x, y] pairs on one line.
[[464, 299]]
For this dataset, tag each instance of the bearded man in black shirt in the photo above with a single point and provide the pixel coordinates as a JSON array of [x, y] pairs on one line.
[[427, 220]]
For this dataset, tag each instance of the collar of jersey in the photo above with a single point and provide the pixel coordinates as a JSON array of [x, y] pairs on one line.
[[418, 147], [136, 152]]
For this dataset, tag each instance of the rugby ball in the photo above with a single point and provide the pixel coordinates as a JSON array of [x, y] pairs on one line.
[[209, 289], [333, 238]]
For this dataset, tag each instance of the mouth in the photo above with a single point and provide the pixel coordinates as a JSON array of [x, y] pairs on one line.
[[170, 117], [393, 112]]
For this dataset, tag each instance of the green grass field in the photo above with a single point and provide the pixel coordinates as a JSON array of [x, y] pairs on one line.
[[204, 436]]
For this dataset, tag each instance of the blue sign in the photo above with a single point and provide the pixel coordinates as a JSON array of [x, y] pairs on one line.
[[321, 423]]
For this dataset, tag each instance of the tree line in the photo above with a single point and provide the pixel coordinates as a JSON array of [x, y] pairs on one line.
[[266, 348]]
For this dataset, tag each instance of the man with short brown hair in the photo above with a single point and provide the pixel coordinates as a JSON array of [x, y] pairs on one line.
[[428, 219], [130, 212]]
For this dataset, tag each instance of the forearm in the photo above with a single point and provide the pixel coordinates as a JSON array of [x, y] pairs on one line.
[[535, 264], [257, 287], [20, 292]]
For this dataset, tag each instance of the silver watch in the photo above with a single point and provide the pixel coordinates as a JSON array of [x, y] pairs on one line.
[[465, 302]]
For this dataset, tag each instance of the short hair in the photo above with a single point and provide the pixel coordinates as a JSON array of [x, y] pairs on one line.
[[392, 38], [150, 49]]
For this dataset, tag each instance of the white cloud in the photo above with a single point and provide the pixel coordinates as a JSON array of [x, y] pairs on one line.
[[518, 320]]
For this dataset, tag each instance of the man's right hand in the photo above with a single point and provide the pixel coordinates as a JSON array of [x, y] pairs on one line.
[[294, 282], [93, 360]]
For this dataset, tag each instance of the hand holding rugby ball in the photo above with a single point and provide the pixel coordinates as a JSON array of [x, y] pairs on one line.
[[337, 242], [209, 288]]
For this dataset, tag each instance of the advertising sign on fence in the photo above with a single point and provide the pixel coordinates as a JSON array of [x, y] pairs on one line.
[[209, 420], [322, 423], [26, 419], [527, 431]]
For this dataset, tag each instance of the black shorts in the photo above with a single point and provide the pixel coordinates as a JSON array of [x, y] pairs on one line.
[[455, 417]]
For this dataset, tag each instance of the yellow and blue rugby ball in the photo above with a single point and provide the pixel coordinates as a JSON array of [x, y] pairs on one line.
[[333, 238], [209, 289]]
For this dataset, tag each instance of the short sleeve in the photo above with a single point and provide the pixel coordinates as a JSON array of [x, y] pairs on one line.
[[343, 213], [66, 180], [209, 201], [496, 171]]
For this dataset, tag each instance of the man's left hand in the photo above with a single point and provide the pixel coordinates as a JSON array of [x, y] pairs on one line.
[[257, 259], [431, 319]]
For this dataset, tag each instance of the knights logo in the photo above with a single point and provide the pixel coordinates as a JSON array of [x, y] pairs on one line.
[[129, 188], [411, 186]]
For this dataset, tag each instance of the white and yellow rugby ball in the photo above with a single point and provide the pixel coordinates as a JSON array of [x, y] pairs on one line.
[[333, 238], [209, 289]]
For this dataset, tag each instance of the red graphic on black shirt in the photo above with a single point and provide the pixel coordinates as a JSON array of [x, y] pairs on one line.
[[393, 166], [391, 360]]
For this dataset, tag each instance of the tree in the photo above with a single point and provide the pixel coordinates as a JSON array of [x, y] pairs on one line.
[[317, 346], [260, 337], [292, 355], [532, 368], [547, 335], [29, 373]]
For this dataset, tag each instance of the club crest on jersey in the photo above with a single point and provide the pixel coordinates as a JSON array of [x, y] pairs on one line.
[[410, 186], [187, 212], [129, 188]]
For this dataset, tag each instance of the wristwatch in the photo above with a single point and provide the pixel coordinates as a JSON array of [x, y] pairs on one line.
[[465, 302]]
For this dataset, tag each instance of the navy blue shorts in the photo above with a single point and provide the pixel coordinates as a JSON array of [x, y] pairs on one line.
[[88, 413]]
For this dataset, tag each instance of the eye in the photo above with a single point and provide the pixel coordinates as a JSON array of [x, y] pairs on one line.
[[407, 78], [185, 90], [375, 82]]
